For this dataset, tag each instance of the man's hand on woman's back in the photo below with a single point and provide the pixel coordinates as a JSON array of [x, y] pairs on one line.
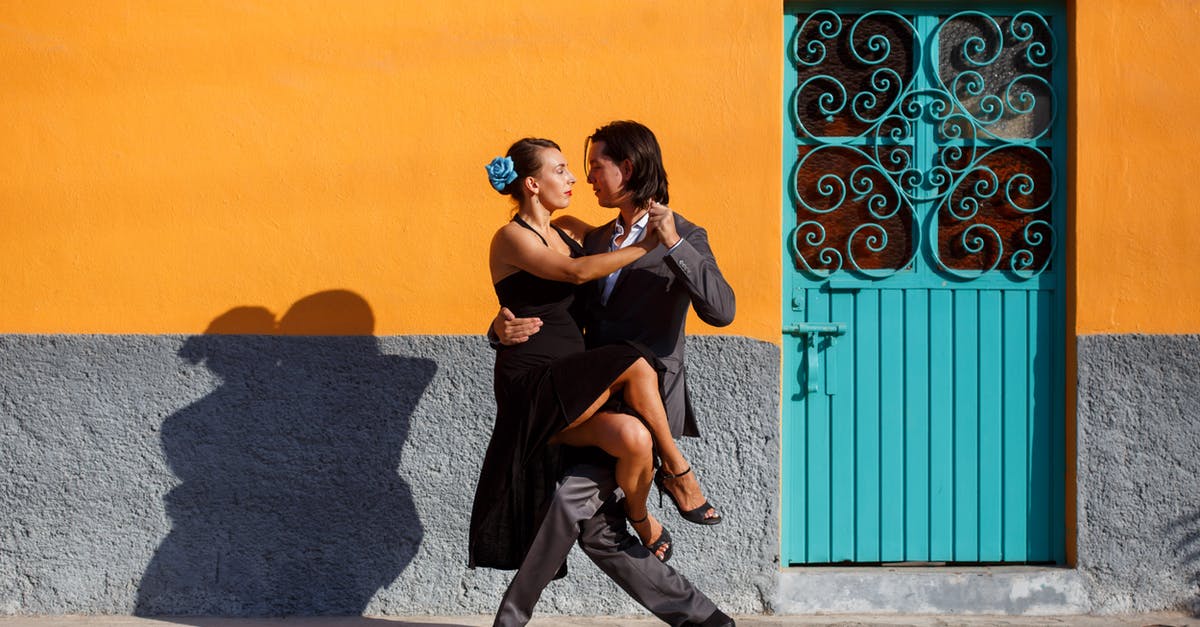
[[513, 330]]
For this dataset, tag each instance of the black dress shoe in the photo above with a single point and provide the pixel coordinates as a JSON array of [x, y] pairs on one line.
[[716, 619]]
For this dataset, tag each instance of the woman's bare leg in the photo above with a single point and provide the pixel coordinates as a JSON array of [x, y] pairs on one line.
[[639, 384], [641, 390], [627, 439]]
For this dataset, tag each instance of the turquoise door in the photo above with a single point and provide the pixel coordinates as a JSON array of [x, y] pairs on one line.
[[923, 336]]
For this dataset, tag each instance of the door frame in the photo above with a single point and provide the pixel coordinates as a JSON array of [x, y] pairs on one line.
[[1063, 408]]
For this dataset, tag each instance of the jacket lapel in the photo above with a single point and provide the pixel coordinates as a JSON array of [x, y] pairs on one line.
[[651, 259], [600, 241], [601, 238], [601, 244]]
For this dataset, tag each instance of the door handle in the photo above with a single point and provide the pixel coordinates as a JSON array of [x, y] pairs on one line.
[[809, 328], [809, 331]]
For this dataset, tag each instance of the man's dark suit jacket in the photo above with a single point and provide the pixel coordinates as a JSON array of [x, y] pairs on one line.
[[649, 304]]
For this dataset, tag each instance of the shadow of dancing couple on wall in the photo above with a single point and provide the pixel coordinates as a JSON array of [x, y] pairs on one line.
[[1184, 532], [290, 500]]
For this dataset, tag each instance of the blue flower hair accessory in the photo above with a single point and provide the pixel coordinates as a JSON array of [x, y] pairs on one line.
[[501, 172]]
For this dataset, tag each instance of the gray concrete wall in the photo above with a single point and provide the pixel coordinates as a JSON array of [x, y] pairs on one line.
[[1139, 471], [262, 475], [244, 475]]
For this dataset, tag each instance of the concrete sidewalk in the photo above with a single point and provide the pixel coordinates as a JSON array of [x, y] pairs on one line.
[[839, 620]]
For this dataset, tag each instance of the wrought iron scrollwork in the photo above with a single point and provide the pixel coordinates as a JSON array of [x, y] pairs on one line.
[[997, 77], [995, 215], [857, 215], [868, 85]]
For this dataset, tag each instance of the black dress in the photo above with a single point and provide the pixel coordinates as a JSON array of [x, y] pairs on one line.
[[541, 386]]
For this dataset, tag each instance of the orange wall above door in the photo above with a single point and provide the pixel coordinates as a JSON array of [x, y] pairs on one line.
[[163, 163], [166, 162]]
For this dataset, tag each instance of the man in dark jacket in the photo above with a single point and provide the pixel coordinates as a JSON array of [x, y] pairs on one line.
[[647, 301]]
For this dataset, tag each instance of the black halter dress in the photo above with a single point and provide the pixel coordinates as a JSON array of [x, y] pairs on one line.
[[541, 386]]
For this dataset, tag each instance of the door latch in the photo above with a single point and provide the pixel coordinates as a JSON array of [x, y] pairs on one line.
[[809, 332]]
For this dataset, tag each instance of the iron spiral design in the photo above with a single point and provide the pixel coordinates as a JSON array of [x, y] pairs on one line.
[[980, 200]]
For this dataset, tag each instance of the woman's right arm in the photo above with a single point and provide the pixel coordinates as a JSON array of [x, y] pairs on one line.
[[514, 247]]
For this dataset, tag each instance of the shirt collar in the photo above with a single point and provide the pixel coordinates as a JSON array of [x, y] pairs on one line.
[[619, 226]]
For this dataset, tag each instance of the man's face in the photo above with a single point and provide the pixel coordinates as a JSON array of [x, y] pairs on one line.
[[606, 177]]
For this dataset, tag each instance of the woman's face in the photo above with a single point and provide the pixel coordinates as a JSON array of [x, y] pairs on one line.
[[554, 180], [605, 176]]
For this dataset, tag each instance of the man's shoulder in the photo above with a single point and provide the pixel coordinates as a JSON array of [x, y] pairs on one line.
[[599, 234], [684, 226]]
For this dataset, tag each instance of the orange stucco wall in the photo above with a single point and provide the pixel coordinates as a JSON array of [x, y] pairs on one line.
[[1137, 159], [165, 162]]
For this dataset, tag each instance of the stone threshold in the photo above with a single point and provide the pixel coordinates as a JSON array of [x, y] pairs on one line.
[[963, 590]]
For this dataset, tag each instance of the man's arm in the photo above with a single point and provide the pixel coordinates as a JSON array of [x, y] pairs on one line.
[[692, 261], [508, 329]]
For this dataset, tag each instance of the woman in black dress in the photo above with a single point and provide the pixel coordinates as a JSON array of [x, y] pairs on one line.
[[549, 389]]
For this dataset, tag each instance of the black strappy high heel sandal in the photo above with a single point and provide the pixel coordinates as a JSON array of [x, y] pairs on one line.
[[664, 540], [696, 515]]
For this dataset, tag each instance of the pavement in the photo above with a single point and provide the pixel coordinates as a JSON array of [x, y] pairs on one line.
[[829, 620]]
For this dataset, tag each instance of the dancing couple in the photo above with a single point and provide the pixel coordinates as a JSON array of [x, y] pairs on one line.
[[589, 376]]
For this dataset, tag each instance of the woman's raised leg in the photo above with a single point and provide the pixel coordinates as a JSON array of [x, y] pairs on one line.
[[639, 384], [627, 439]]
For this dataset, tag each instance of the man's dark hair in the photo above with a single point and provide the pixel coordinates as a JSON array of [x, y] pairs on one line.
[[630, 140]]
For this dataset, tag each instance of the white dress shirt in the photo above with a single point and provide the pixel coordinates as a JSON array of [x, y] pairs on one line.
[[635, 234]]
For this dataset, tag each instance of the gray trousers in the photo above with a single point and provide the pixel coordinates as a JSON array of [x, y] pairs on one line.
[[587, 506]]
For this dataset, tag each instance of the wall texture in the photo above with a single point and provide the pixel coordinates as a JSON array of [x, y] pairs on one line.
[[1139, 471], [267, 475], [1135, 167]]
